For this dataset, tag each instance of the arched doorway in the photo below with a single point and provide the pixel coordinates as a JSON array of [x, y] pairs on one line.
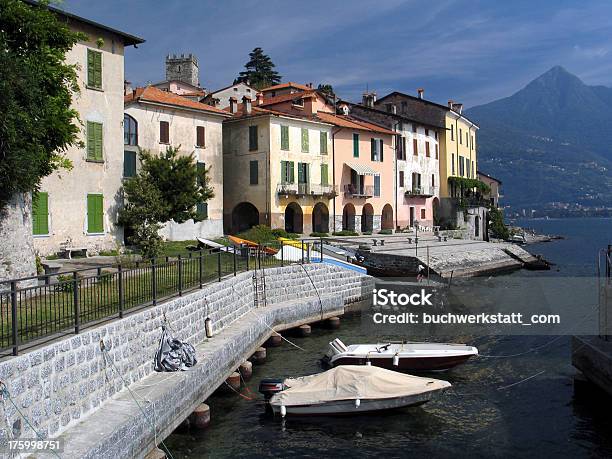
[[244, 216], [476, 226], [367, 218], [387, 217], [320, 218], [348, 218], [294, 218]]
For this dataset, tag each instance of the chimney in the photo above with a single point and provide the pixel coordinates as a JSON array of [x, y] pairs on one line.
[[246, 101], [127, 87], [260, 98], [459, 108], [394, 109], [368, 99], [450, 103], [421, 91], [233, 104], [310, 85]]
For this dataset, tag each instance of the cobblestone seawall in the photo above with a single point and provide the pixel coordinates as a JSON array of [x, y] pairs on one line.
[[68, 389]]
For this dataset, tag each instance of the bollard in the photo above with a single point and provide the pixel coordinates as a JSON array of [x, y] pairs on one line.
[[333, 323], [259, 356], [304, 330], [274, 340], [234, 381], [200, 418], [156, 454], [246, 370]]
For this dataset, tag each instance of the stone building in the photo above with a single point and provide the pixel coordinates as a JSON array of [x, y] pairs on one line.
[[155, 120], [78, 207], [221, 97], [495, 186], [182, 77]]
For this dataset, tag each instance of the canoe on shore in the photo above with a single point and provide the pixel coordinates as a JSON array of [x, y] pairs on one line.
[[238, 241]]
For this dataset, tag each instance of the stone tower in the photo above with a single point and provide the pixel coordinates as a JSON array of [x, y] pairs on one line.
[[183, 68]]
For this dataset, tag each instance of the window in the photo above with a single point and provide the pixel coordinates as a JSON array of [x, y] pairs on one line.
[[452, 132], [200, 137], [437, 151], [356, 145], [461, 166], [130, 130], [40, 214], [415, 147], [304, 140], [401, 179], [460, 137], [467, 139], [253, 138], [453, 164], [472, 142], [302, 172], [416, 181], [404, 106], [94, 69], [427, 149], [377, 185], [95, 214], [164, 132], [284, 137], [298, 102], [287, 174], [473, 170], [426, 132], [129, 163], [389, 107], [436, 135], [433, 180], [94, 141], [422, 213], [324, 174], [323, 140], [376, 149], [254, 172], [414, 128]]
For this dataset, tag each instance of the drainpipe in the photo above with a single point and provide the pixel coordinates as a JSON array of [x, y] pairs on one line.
[[334, 173], [394, 139]]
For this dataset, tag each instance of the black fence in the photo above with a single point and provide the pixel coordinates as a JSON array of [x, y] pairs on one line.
[[604, 269], [36, 310]]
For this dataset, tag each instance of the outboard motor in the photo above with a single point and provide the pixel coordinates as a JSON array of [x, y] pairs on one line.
[[270, 386]]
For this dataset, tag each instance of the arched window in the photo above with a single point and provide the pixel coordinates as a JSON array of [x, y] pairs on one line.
[[130, 130]]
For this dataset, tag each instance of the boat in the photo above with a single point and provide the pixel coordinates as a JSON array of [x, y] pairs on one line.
[[402, 356], [349, 390], [238, 241]]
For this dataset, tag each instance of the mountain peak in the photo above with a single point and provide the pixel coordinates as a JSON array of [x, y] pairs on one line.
[[557, 77]]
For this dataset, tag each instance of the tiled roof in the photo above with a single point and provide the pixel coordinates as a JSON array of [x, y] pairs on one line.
[[287, 97], [257, 111], [352, 123], [290, 84], [153, 94]]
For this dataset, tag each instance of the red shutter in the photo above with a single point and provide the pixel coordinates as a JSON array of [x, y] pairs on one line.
[[415, 146], [427, 149], [164, 132], [200, 137]]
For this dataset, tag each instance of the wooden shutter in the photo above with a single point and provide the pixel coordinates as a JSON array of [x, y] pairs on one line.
[[202, 210], [254, 172], [372, 149], [427, 149], [324, 174], [415, 147], [201, 168], [377, 185], [200, 136], [94, 141], [284, 137], [401, 179], [94, 69], [284, 172], [90, 67], [40, 213], [253, 138], [291, 172], [356, 145], [323, 143], [95, 214], [436, 151], [304, 140], [301, 173], [164, 132], [129, 163], [382, 144]]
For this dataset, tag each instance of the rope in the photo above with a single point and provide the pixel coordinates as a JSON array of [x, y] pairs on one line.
[[315, 289], [283, 338], [533, 349], [4, 392], [242, 395], [521, 381]]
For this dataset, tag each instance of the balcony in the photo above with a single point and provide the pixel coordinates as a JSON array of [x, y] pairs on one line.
[[306, 189], [421, 192], [356, 191]]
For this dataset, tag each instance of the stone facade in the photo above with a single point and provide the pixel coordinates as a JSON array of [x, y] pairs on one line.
[[16, 245], [220, 98], [68, 389], [183, 68]]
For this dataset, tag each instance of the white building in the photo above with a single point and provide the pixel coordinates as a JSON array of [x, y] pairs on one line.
[[221, 97], [156, 120]]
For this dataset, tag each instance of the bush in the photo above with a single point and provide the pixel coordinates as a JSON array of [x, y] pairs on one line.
[[39, 266], [65, 283], [367, 233], [497, 227], [344, 233], [261, 234], [109, 253], [317, 234], [385, 231], [280, 232]]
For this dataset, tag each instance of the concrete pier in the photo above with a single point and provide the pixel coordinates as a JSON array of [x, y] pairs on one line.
[[593, 357]]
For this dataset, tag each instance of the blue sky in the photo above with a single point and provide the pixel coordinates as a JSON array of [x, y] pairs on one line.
[[470, 51]]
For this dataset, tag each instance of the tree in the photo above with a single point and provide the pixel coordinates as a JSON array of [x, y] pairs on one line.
[[37, 123], [326, 89], [259, 71], [167, 187]]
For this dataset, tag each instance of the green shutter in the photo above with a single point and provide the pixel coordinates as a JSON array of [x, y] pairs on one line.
[[324, 174], [202, 210], [90, 67], [323, 143], [381, 149], [94, 68], [284, 172], [356, 145], [254, 172], [291, 172], [95, 214], [94, 141], [129, 163], [305, 140], [40, 213], [372, 149], [284, 137]]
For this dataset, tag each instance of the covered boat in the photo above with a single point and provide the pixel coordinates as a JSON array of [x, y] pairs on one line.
[[400, 356], [351, 389]]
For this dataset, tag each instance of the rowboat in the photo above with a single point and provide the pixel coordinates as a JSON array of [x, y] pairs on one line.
[[239, 242], [349, 390], [400, 356]]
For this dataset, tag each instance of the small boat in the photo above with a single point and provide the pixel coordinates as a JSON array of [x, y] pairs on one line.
[[349, 389], [238, 241], [400, 356]]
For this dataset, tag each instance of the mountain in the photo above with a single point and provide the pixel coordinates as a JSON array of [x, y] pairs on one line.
[[550, 143]]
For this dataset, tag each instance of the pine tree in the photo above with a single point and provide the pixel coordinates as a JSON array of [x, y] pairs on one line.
[[327, 89], [259, 71]]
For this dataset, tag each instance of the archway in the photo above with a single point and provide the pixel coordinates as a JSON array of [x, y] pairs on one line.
[[387, 217], [320, 218], [367, 218], [476, 226], [244, 216], [348, 217], [294, 218]]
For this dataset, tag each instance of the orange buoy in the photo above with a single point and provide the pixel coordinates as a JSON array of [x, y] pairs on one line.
[[200, 418]]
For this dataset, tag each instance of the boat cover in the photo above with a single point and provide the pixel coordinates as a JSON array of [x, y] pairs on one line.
[[350, 382]]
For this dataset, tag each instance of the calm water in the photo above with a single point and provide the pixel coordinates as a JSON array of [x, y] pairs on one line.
[[480, 416]]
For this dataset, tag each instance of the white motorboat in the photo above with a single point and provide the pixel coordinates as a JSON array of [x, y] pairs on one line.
[[349, 389], [400, 356]]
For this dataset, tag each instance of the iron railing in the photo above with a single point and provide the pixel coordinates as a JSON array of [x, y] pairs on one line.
[[303, 189], [604, 270], [356, 191], [35, 310]]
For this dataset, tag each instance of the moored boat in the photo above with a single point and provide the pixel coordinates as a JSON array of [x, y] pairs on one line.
[[400, 356], [349, 389]]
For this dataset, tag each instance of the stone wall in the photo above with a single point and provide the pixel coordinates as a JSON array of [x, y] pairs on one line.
[[17, 257], [59, 385]]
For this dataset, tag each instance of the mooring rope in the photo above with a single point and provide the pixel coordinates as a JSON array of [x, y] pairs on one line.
[[239, 393], [521, 381], [285, 339]]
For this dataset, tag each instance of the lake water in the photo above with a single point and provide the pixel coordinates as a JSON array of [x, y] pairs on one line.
[[493, 409]]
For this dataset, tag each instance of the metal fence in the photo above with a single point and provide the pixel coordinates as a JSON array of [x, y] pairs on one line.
[[604, 268], [38, 309]]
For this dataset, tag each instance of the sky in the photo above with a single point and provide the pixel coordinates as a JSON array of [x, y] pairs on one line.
[[470, 51]]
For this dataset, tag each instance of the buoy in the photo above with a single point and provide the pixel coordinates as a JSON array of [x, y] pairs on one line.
[[156, 454], [304, 330], [333, 323], [200, 418], [234, 380], [274, 340], [208, 327], [246, 370], [357, 403], [259, 356], [283, 411], [396, 360]]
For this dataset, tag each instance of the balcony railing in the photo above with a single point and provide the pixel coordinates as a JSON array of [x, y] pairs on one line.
[[306, 189], [421, 191], [356, 191]]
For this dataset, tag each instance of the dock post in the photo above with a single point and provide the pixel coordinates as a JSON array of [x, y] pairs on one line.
[[200, 418], [259, 356], [274, 340], [156, 454], [246, 370]]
